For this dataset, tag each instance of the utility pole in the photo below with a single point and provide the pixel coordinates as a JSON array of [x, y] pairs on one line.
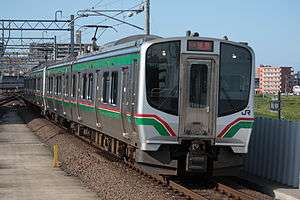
[[72, 34], [147, 17]]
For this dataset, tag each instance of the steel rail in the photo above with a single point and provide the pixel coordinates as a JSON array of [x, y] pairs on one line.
[[232, 192]]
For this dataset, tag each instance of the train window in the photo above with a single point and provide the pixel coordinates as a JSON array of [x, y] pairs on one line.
[[52, 85], [84, 83], [74, 85], [39, 84], [48, 85], [198, 86], [234, 79], [125, 86], [114, 88], [91, 87], [105, 91], [162, 76], [34, 84], [67, 86], [59, 85], [56, 86]]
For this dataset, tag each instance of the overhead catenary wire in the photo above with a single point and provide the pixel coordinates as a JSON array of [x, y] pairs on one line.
[[107, 19], [86, 31]]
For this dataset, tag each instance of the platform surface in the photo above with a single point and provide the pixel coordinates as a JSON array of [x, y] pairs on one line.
[[275, 190], [26, 171]]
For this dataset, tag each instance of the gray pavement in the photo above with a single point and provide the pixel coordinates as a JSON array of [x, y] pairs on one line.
[[276, 190], [26, 171]]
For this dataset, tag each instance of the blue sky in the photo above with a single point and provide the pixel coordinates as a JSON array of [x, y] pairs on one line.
[[271, 27]]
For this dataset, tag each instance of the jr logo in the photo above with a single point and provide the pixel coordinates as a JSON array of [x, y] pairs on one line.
[[246, 112]]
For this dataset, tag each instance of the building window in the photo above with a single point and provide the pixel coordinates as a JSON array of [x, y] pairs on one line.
[[105, 83], [114, 87]]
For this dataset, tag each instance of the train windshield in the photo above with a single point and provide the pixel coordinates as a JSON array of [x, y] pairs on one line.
[[235, 79], [162, 76]]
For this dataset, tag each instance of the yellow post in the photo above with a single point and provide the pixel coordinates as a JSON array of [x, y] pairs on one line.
[[55, 156]]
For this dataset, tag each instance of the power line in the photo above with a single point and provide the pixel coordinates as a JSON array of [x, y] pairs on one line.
[[86, 31], [97, 4]]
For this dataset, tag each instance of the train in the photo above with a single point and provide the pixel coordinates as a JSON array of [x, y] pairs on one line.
[[181, 103]]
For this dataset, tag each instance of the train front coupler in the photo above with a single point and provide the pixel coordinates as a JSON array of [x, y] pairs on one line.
[[198, 159]]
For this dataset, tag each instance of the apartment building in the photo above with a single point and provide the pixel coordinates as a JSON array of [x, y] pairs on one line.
[[274, 79]]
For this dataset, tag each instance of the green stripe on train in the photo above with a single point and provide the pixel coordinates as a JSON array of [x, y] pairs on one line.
[[234, 129], [97, 64], [152, 122]]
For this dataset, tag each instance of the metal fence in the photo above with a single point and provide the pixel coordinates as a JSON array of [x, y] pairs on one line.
[[274, 151]]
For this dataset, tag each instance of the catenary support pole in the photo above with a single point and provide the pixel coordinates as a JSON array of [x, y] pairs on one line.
[[55, 48], [72, 34], [147, 17]]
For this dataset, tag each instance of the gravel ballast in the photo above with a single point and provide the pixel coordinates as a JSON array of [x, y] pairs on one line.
[[110, 179]]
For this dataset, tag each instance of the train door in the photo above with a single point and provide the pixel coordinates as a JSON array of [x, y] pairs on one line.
[[67, 96], [99, 122], [198, 98], [62, 93], [45, 90], [78, 95], [73, 97], [128, 100], [125, 102]]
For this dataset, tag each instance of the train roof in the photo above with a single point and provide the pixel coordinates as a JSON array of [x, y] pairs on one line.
[[128, 42], [125, 45]]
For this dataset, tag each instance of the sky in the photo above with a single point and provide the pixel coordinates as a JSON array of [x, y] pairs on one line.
[[271, 27]]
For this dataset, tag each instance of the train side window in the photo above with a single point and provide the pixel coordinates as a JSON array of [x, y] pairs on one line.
[[90, 87], [56, 86], [34, 84], [74, 85], [48, 85], [84, 84], [114, 87], [67, 86], [52, 85], [105, 90], [59, 85], [40, 84]]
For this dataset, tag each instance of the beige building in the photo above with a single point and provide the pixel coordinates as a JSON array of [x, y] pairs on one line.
[[274, 79]]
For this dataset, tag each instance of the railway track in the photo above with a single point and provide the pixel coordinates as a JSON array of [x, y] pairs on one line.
[[6, 99], [198, 190], [186, 190]]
